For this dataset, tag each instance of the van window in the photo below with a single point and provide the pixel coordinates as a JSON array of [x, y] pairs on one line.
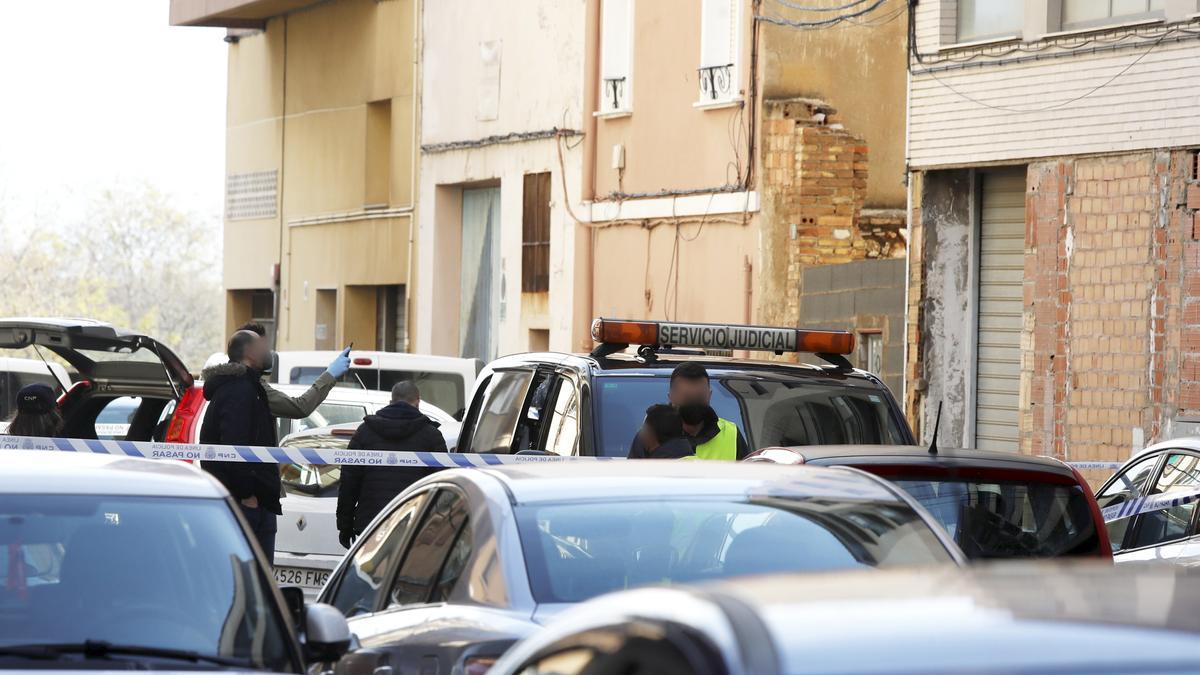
[[444, 390]]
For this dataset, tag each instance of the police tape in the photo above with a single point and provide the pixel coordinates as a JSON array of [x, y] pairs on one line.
[[315, 456], [1107, 466], [1149, 503], [265, 455]]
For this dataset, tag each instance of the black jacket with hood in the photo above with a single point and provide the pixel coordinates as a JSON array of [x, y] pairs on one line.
[[365, 490], [238, 414]]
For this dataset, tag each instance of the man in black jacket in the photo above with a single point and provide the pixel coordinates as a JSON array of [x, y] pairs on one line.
[[399, 427], [238, 414]]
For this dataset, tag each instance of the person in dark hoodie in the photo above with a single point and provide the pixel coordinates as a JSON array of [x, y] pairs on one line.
[[662, 434], [239, 414], [398, 427]]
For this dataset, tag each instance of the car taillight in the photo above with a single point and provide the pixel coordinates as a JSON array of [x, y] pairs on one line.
[[478, 665], [184, 419], [362, 361], [1105, 547]]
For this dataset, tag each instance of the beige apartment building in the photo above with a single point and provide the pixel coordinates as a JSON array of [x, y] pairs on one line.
[[503, 263], [320, 167], [1055, 258], [478, 178], [739, 169]]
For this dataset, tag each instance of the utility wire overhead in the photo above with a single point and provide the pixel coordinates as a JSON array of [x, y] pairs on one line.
[[822, 23]]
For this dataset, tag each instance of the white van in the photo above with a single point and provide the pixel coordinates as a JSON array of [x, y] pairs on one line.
[[444, 381], [16, 373]]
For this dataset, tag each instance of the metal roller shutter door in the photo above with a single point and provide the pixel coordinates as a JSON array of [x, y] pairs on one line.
[[1001, 273]]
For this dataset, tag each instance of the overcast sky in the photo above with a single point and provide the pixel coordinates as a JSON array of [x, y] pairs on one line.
[[100, 93]]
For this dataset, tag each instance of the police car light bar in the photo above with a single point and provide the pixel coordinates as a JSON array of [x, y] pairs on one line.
[[722, 336]]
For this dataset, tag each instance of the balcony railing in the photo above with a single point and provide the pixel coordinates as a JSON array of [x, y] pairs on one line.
[[716, 83], [614, 93]]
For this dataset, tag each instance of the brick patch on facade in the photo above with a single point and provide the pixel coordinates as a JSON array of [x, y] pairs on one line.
[[814, 179]]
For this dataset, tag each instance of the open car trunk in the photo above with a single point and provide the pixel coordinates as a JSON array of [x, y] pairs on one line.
[[122, 374]]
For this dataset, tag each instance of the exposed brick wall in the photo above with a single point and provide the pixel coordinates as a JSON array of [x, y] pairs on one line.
[[1189, 290], [914, 312], [1045, 356], [1111, 339], [1107, 306], [814, 179]]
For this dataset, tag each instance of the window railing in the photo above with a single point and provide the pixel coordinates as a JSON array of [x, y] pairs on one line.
[[614, 93], [716, 82]]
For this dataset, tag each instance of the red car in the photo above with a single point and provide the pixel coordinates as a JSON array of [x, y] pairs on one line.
[[994, 504]]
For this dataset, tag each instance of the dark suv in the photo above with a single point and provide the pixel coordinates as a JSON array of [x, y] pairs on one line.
[[592, 404]]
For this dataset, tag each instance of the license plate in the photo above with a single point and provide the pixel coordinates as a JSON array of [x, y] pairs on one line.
[[299, 576]]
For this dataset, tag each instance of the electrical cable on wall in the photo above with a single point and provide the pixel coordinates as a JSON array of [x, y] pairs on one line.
[[1051, 106], [823, 23], [809, 8]]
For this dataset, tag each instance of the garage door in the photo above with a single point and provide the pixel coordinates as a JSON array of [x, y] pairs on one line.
[[1001, 271]]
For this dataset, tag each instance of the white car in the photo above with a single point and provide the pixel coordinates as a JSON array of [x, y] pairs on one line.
[[1169, 473], [306, 546], [121, 563], [444, 381]]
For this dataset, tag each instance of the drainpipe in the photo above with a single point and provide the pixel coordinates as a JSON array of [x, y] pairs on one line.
[[414, 183], [591, 86]]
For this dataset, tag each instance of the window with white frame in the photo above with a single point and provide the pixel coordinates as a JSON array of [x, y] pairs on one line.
[[982, 19], [1080, 13], [616, 55], [720, 46]]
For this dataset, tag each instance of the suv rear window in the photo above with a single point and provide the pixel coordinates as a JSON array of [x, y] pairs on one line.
[[1009, 518], [768, 412], [444, 390]]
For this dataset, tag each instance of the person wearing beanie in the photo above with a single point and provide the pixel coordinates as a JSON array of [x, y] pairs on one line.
[[37, 413]]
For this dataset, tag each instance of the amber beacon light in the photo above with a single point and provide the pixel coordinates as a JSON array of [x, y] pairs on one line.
[[722, 336]]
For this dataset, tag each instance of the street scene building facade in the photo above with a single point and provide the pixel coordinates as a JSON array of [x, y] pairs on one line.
[[1006, 228], [320, 168], [1053, 261]]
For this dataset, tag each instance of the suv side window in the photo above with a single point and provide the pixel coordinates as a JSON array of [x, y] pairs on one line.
[[362, 580], [431, 545], [1128, 486], [563, 426], [1179, 475], [499, 410]]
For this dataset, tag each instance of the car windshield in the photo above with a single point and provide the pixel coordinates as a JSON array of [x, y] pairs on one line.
[[768, 412], [1010, 518], [577, 551], [151, 572]]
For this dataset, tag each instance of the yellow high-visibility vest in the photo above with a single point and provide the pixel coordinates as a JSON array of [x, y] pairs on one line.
[[723, 446]]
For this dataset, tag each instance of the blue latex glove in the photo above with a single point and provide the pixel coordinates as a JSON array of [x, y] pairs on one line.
[[340, 365]]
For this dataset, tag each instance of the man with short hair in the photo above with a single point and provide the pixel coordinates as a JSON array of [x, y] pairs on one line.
[[398, 427], [662, 434], [690, 392], [238, 414], [299, 407]]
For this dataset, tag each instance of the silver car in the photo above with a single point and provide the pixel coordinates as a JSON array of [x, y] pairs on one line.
[[465, 562], [120, 563], [1167, 471], [1000, 619]]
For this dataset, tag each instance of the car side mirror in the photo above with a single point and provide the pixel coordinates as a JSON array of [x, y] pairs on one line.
[[326, 633], [293, 599]]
